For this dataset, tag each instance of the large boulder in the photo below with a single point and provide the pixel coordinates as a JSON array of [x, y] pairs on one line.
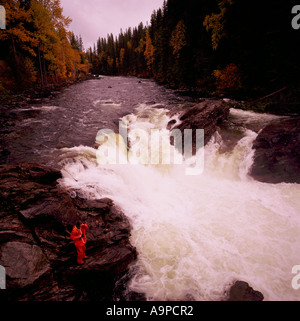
[[36, 218], [241, 291], [277, 152], [206, 115], [24, 263]]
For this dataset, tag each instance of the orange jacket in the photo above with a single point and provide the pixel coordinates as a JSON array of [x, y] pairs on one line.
[[77, 233]]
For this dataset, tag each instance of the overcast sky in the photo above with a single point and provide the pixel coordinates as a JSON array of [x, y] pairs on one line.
[[96, 18]]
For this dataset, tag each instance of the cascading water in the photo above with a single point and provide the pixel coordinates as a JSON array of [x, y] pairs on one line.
[[196, 235]]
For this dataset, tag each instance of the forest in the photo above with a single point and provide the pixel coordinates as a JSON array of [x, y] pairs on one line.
[[245, 49], [238, 48], [37, 49]]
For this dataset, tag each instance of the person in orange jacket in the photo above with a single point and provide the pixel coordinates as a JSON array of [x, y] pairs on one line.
[[78, 235]]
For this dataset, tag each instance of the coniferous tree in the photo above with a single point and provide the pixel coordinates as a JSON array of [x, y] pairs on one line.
[[232, 46]]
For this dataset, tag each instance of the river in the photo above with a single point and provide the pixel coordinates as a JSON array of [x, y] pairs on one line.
[[195, 235]]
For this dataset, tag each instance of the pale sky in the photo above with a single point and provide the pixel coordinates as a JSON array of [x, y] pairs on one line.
[[96, 18]]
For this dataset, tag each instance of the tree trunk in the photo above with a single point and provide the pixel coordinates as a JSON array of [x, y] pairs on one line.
[[268, 96]]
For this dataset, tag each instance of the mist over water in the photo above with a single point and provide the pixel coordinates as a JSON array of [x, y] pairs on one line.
[[196, 235]]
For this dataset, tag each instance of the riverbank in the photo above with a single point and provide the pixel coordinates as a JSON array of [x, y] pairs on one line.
[[34, 95], [284, 102], [35, 246]]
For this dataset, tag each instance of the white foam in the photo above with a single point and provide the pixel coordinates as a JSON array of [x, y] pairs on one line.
[[195, 235], [251, 117]]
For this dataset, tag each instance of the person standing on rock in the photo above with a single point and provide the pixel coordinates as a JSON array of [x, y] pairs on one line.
[[78, 235]]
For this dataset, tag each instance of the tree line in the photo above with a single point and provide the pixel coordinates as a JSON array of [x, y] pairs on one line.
[[243, 48], [36, 48], [230, 46]]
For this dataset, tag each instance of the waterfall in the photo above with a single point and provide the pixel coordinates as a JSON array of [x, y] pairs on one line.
[[196, 235]]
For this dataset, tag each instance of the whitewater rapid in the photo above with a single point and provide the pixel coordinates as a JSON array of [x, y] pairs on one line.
[[196, 235]]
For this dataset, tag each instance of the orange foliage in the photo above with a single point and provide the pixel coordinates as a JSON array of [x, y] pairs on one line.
[[228, 78], [40, 43]]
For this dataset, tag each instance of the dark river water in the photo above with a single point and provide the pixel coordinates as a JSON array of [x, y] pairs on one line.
[[75, 115]]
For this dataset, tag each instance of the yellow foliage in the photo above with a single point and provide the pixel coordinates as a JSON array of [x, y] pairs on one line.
[[141, 46], [216, 21], [122, 55], [149, 51], [110, 61], [38, 28], [30, 70], [54, 40], [129, 44], [15, 30], [178, 39]]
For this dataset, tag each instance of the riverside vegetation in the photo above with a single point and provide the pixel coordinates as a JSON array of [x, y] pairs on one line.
[[206, 47]]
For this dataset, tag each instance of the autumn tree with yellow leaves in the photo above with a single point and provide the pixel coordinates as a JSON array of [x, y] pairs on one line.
[[178, 38], [37, 44], [22, 43], [149, 51], [215, 23]]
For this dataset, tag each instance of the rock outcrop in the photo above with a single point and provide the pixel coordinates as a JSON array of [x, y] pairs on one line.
[[277, 153], [205, 115], [241, 291], [36, 217]]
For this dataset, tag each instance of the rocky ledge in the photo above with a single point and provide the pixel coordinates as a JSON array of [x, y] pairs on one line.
[[206, 115], [277, 152], [36, 217], [242, 291]]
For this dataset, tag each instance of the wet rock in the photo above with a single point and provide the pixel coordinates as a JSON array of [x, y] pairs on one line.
[[112, 260], [103, 204], [31, 172], [24, 263], [13, 229], [123, 293], [277, 153], [171, 123], [205, 115], [36, 218], [241, 291]]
